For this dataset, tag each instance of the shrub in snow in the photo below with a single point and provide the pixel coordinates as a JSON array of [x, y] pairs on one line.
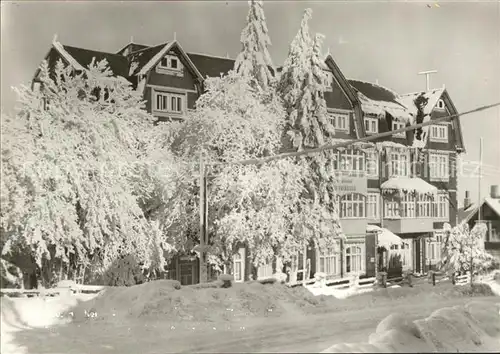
[[463, 249], [125, 271]]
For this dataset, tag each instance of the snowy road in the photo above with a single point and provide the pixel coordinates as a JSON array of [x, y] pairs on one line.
[[300, 334]]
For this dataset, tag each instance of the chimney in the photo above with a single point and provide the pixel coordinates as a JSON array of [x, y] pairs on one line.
[[494, 192], [467, 202]]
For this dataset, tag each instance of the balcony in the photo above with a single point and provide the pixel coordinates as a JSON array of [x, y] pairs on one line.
[[409, 225]]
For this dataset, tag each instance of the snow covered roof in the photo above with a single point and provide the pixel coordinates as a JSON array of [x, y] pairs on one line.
[[409, 184], [432, 95], [493, 203], [385, 237], [378, 100], [390, 144]]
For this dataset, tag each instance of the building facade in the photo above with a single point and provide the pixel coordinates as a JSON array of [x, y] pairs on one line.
[[388, 182], [490, 216]]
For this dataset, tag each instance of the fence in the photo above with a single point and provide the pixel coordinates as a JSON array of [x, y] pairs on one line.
[[73, 288]]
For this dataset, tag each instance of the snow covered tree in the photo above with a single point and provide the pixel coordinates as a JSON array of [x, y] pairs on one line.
[[301, 86], [257, 205], [73, 172], [254, 61], [463, 250]]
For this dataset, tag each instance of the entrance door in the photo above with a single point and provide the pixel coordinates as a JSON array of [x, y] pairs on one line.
[[187, 272]]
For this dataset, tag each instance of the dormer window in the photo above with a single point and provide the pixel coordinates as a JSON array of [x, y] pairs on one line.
[[371, 125], [397, 126], [170, 65], [440, 104]]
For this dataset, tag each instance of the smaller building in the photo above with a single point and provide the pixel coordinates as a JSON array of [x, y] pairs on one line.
[[489, 209]]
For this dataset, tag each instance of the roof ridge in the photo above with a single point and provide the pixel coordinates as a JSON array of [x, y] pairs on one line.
[[90, 50], [143, 49], [378, 85], [422, 91], [210, 56]]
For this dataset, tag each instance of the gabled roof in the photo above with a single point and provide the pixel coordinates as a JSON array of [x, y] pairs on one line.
[[339, 76], [466, 213], [162, 52], [210, 65], [432, 95], [349, 92], [376, 99], [492, 203], [117, 63], [143, 57]]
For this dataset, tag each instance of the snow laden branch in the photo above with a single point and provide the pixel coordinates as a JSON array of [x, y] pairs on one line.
[[463, 249], [78, 173], [254, 61]]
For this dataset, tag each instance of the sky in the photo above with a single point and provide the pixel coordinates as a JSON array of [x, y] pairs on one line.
[[388, 41]]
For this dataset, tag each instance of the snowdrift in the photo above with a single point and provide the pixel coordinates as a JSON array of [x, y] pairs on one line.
[[25, 313], [471, 328], [165, 300]]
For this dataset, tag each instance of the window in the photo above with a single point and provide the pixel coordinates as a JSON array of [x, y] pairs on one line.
[[170, 62], [352, 161], [352, 206], [408, 206], [329, 262], [424, 206], [265, 271], [440, 104], [340, 121], [169, 102], [372, 163], [434, 249], [438, 166], [396, 126], [329, 80], [439, 133], [353, 259], [399, 164], [442, 206], [372, 205], [371, 125], [239, 265], [391, 209]]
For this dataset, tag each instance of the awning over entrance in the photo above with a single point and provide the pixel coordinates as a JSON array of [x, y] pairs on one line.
[[409, 184], [385, 237]]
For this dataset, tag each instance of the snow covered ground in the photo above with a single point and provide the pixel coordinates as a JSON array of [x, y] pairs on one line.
[[38, 312], [474, 327]]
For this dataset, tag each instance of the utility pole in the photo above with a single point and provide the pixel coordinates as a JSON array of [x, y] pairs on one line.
[[479, 178], [427, 77], [203, 221], [478, 206]]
